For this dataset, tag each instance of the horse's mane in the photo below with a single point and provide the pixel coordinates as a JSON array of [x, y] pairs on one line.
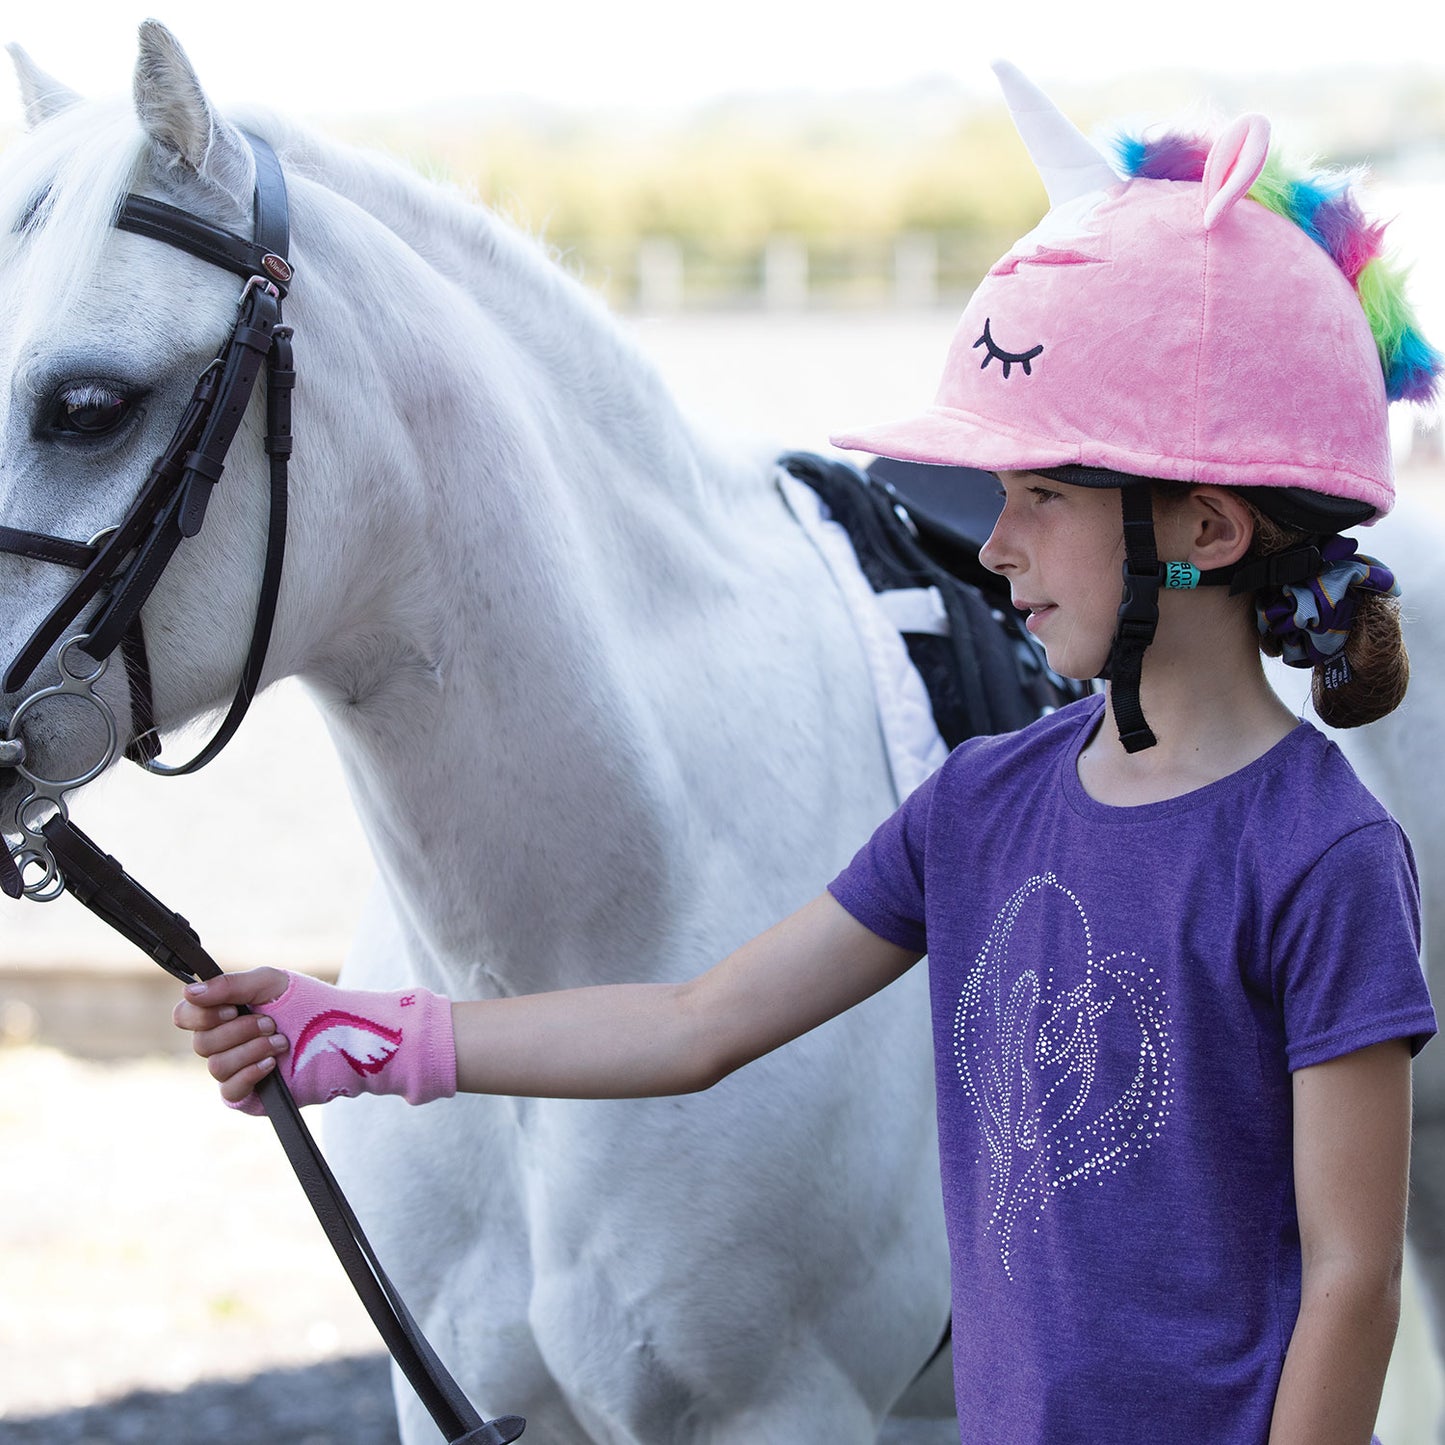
[[68, 176], [496, 263], [513, 276], [65, 180]]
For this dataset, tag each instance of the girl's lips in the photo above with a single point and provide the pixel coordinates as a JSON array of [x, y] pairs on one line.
[[1037, 612]]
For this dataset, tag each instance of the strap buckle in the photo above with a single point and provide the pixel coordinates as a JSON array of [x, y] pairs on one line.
[[1139, 610], [260, 283]]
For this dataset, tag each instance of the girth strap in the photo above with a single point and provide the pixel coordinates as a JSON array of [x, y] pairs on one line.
[[100, 882]]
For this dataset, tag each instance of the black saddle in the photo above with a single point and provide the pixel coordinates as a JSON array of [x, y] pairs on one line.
[[918, 526]]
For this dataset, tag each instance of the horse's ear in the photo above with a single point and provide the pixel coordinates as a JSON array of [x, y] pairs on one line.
[[188, 135], [41, 94]]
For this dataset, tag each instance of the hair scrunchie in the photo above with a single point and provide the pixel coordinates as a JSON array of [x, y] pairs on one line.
[[1312, 619]]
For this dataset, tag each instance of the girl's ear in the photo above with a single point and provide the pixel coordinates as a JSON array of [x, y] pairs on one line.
[[1221, 527]]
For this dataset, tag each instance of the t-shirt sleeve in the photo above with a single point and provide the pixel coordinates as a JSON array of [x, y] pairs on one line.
[[883, 886], [1347, 951]]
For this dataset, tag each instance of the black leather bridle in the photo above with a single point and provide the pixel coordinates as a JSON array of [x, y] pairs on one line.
[[121, 568], [127, 561]]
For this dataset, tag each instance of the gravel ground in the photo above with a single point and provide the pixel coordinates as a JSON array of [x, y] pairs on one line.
[[161, 1276], [163, 1281], [344, 1402]]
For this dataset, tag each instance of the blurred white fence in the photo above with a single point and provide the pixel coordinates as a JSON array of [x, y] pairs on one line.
[[660, 275]]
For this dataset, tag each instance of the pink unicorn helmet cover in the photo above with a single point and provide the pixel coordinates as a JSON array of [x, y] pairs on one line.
[[1175, 329]]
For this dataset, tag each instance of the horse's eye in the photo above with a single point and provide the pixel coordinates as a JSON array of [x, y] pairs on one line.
[[90, 410]]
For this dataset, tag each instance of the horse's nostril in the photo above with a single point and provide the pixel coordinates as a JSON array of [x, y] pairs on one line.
[[12, 752]]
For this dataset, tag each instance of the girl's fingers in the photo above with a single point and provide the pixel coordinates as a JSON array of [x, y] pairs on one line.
[[239, 1085], [254, 987], [194, 1018], [215, 1039], [238, 1068], [240, 1049]]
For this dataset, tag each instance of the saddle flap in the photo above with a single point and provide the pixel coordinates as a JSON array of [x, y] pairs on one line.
[[982, 670]]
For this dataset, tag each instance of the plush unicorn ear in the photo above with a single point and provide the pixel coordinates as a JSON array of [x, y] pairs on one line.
[[186, 132], [1233, 165], [41, 94], [1068, 164]]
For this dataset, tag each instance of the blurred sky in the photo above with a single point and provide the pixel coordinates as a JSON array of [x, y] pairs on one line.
[[334, 57]]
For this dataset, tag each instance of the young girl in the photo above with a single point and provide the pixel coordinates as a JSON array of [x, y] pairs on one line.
[[1174, 956]]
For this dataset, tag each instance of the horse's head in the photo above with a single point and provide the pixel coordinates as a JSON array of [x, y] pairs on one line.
[[103, 335]]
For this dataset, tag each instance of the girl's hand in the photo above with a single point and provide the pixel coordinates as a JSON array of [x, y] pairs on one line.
[[239, 1049], [329, 1042]]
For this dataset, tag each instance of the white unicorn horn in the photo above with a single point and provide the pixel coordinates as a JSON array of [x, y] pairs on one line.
[[1068, 163]]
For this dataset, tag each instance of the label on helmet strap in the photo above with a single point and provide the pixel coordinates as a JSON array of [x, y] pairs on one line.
[[1182, 576]]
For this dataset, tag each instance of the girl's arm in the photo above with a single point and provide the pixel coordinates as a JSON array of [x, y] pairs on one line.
[[610, 1041], [1351, 1163]]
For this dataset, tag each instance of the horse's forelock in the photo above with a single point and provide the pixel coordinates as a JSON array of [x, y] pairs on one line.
[[60, 188]]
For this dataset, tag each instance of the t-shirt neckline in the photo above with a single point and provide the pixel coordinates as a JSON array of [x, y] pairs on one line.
[[1243, 780]]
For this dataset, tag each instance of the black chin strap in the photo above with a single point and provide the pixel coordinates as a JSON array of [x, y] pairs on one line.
[[1138, 619], [1144, 577]]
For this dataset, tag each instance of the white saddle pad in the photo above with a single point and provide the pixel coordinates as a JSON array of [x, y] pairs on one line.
[[910, 736]]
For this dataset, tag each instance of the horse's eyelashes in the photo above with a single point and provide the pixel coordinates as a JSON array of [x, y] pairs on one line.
[[92, 409]]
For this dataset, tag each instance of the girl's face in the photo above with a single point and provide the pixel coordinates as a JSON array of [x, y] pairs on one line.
[[1061, 548]]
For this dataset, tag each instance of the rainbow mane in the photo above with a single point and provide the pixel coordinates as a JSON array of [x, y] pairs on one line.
[[1324, 206]]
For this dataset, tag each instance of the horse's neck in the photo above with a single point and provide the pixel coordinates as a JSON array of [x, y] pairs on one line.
[[542, 586]]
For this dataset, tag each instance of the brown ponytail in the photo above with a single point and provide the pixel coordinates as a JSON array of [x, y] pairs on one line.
[[1379, 665]]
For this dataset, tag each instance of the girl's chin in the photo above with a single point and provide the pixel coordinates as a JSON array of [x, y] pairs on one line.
[[1068, 664]]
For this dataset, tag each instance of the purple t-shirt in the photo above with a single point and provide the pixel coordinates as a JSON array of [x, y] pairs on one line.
[[1119, 998]]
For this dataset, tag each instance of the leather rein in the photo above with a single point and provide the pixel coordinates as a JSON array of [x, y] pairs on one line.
[[121, 567]]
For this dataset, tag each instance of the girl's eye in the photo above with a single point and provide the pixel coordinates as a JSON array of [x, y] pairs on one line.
[[1042, 494], [90, 410]]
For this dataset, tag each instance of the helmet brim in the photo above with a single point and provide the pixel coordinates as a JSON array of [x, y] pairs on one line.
[[941, 438]]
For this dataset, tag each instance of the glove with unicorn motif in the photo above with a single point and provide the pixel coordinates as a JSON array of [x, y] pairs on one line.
[[345, 1042]]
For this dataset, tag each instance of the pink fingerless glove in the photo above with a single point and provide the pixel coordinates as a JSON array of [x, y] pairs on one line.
[[346, 1042]]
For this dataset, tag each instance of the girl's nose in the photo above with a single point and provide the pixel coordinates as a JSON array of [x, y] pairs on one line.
[[997, 554]]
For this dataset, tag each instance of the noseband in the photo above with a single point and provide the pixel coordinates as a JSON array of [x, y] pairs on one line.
[[122, 565]]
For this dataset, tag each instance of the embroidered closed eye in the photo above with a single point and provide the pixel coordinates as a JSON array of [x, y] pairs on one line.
[[1009, 358]]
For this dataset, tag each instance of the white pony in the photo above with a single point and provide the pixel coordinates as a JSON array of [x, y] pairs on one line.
[[603, 716]]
